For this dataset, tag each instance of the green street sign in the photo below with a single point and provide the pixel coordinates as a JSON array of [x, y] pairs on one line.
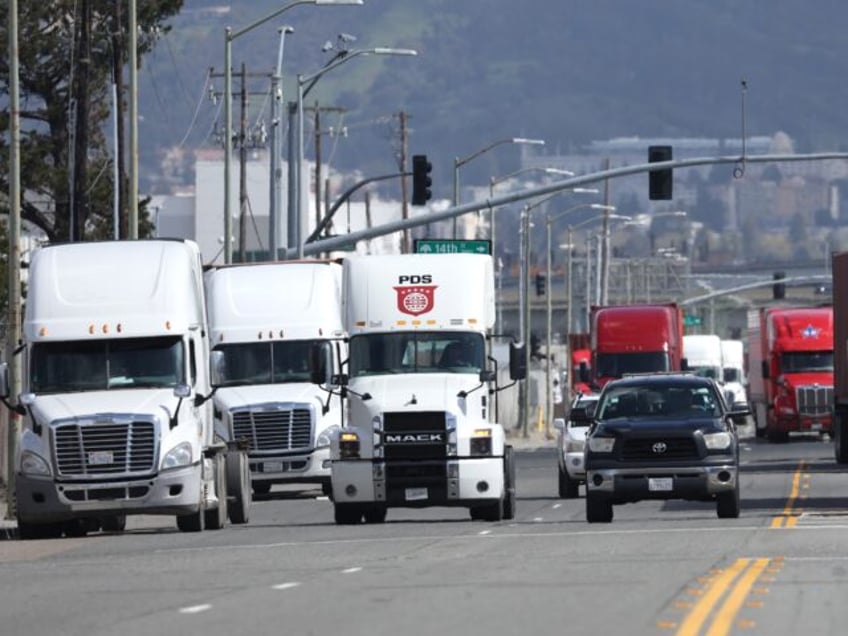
[[691, 321], [452, 246]]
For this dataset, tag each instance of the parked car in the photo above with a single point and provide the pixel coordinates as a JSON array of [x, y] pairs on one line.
[[661, 436], [570, 441]]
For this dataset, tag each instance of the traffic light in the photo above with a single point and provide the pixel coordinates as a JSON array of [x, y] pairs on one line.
[[541, 283], [421, 180], [659, 181], [778, 290]]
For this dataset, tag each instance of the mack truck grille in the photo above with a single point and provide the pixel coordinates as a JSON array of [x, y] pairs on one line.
[[282, 429], [411, 436], [105, 448], [814, 400], [659, 449]]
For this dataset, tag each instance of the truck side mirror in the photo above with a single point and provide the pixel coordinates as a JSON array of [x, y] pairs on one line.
[[765, 369], [217, 368], [4, 380], [684, 364], [517, 361], [319, 372], [583, 372]]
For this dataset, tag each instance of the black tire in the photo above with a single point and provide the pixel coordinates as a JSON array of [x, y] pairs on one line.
[[35, 531], [568, 487], [598, 509], [75, 528], [375, 514], [192, 522], [728, 504], [347, 514], [490, 512], [327, 489], [216, 518], [777, 437], [509, 484], [113, 523], [759, 431], [840, 441], [261, 488], [239, 494]]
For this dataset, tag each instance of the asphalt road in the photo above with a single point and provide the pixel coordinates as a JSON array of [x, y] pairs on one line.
[[659, 568]]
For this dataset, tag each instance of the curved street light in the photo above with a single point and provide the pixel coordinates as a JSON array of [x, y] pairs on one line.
[[229, 36], [303, 79], [457, 162]]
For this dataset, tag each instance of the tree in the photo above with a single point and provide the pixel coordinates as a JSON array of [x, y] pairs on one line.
[[50, 72]]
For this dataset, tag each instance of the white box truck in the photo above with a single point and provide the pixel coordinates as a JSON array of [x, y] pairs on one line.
[[266, 317], [703, 355], [422, 426], [116, 393]]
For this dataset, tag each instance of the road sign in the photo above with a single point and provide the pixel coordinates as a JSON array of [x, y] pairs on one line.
[[452, 246], [691, 321]]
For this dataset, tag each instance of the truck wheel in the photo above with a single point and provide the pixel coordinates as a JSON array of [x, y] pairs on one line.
[[239, 495], [375, 514], [261, 488], [192, 522], [777, 437], [327, 489], [568, 487], [347, 514], [509, 484], [32, 531], [598, 509], [489, 512], [840, 441], [728, 504], [113, 523], [75, 528], [217, 517]]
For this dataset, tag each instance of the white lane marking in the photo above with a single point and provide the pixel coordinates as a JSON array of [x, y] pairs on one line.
[[195, 609], [483, 533], [323, 498], [285, 586], [537, 519], [516, 535], [351, 570], [555, 506]]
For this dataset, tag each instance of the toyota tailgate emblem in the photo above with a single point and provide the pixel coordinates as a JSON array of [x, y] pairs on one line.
[[659, 448]]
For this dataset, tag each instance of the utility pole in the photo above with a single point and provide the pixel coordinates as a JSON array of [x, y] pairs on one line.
[[318, 133], [243, 166], [118, 73], [79, 209], [404, 205], [605, 242]]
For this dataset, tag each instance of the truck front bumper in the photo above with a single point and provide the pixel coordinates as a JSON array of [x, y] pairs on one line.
[[311, 468], [635, 484], [175, 492], [462, 482]]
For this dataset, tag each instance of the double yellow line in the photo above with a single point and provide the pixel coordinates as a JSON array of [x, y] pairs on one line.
[[744, 573], [789, 517]]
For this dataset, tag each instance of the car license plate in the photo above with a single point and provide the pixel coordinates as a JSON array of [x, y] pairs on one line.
[[272, 467], [100, 458], [816, 426], [416, 494], [660, 484]]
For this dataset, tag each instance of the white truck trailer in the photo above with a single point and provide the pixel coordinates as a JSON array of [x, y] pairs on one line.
[[422, 424], [117, 418], [266, 317], [703, 355]]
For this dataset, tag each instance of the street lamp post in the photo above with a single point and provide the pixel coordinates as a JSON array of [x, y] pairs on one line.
[[549, 299], [524, 296], [312, 77], [492, 183], [276, 148], [229, 36], [457, 162]]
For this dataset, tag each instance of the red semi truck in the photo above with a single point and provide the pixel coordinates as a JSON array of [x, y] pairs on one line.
[[790, 370], [635, 339], [840, 358]]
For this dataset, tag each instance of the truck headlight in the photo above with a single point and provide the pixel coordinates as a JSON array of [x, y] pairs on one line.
[[481, 442], [34, 465], [348, 445], [177, 457], [717, 441], [324, 438], [601, 444], [574, 446]]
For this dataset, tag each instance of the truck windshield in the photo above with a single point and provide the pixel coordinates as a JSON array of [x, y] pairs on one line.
[[806, 361], [706, 371], [267, 362], [416, 352], [95, 365], [732, 375], [615, 365]]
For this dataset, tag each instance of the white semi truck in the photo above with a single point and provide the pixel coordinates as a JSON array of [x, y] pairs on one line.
[[733, 371], [703, 355], [266, 317], [117, 380], [422, 425]]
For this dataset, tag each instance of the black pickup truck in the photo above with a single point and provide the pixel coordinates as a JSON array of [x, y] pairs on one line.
[[662, 436]]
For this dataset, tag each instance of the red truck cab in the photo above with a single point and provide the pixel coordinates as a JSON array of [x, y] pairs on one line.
[[642, 338], [790, 353]]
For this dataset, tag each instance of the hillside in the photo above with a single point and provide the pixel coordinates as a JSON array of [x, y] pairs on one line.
[[567, 71]]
